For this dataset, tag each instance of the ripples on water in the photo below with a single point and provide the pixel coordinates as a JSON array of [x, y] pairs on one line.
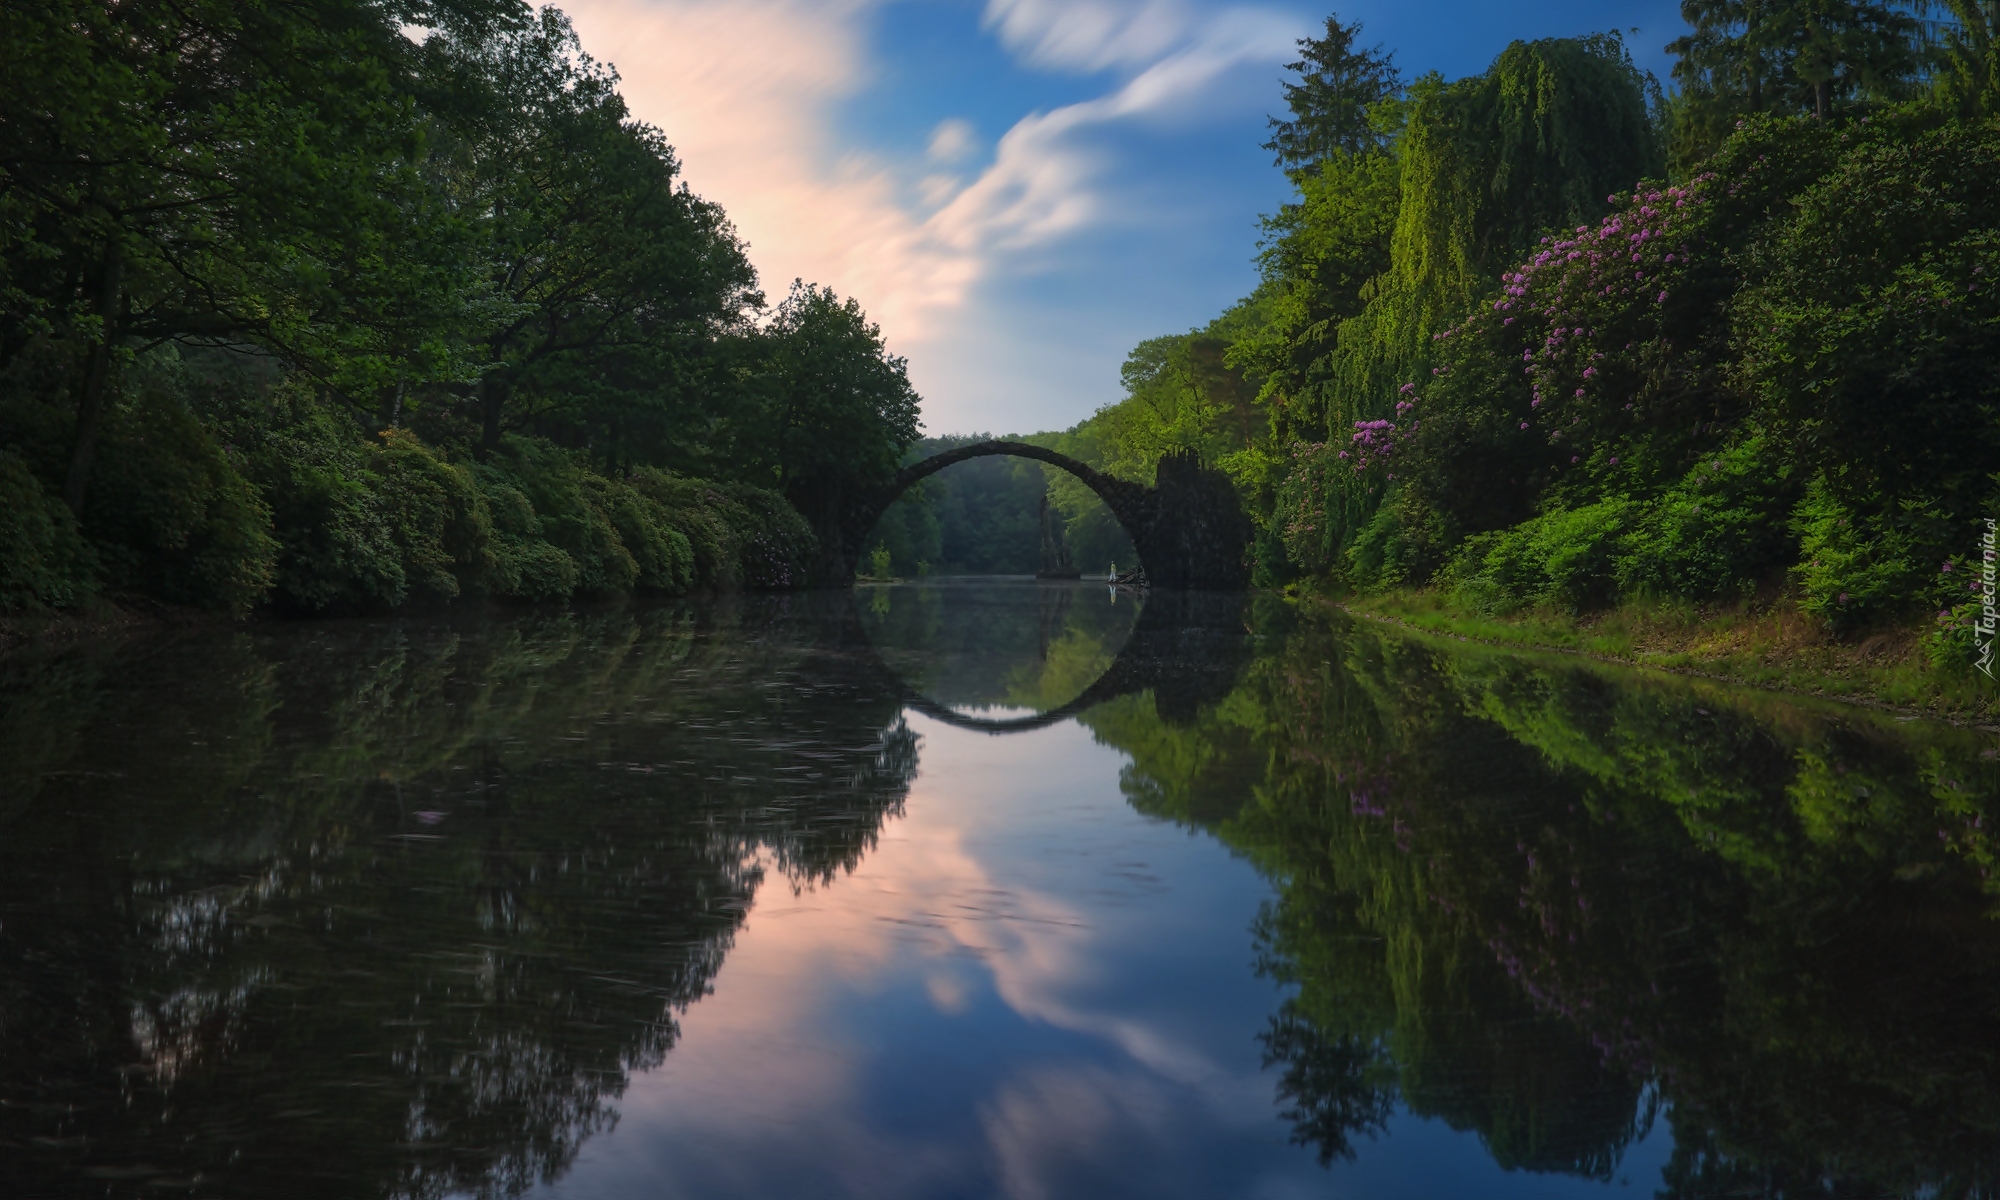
[[970, 889]]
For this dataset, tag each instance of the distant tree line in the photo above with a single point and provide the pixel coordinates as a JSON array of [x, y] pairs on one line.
[[331, 305]]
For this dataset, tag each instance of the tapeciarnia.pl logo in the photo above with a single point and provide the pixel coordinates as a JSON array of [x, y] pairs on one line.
[[1982, 627]]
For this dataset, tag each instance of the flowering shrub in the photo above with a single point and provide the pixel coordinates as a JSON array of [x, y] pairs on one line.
[[1331, 491], [1585, 298], [1607, 361], [1591, 372], [1317, 504], [1753, 378]]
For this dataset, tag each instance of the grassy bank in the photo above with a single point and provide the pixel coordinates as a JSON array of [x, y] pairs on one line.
[[1769, 646]]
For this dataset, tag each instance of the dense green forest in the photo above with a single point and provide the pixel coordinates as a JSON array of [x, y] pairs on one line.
[[338, 305], [1552, 336]]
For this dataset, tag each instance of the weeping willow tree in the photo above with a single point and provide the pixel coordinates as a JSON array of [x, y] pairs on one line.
[[1489, 164], [1966, 49]]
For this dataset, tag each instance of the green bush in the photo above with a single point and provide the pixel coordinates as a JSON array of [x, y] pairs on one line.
[[335, 552], [1859, 569], [43, 563], [562, 529], [1871, 331], [1322, 505], [362, 526], [776, 545], [1399, 544], [1720, 530], [526, 567], [169, 513], [1717, 532], [229, 487], [692, 509], [664, 556], [435, 514], [1568, 557], [171, 516], [739, 536], [555, 484], [532, 570]]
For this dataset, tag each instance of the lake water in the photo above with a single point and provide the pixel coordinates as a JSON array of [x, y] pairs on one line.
[[976, 888]]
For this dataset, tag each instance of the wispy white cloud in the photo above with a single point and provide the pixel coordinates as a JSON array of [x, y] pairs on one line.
[[771, 1071], [1043, 181], [747, 90], [744, 89], [1089, 35], [953, 140]]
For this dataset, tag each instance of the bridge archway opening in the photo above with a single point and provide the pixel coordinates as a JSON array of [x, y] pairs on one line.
[[1188, 529], [991, 520]]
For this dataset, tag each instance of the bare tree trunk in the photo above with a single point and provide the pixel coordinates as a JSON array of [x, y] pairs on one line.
[[392, 411], [1756, 59], [492, 395], [93, 401]]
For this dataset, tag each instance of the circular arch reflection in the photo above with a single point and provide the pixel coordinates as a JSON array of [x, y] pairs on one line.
[[1186, 648]]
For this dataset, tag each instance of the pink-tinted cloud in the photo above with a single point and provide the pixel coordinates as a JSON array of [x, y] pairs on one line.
[[746, 91]]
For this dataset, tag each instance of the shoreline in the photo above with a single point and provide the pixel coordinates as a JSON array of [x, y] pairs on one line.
[[1776, 650]]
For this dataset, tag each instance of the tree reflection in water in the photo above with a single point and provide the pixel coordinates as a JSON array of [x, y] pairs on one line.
[[395, 909], [1540, 900], [967, 644]]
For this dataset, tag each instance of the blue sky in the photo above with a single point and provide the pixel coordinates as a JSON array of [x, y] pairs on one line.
[[1017, 190]]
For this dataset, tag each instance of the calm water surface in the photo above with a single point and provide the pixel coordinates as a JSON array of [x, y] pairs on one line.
[[976, 889]]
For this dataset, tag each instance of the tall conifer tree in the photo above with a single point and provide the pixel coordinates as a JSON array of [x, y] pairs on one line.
[[1338, 86]]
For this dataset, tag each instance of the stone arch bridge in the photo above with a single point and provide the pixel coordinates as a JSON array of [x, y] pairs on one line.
[[1189, 527]]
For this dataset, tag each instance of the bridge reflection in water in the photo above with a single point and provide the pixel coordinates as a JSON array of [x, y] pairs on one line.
[[1187, 649]]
